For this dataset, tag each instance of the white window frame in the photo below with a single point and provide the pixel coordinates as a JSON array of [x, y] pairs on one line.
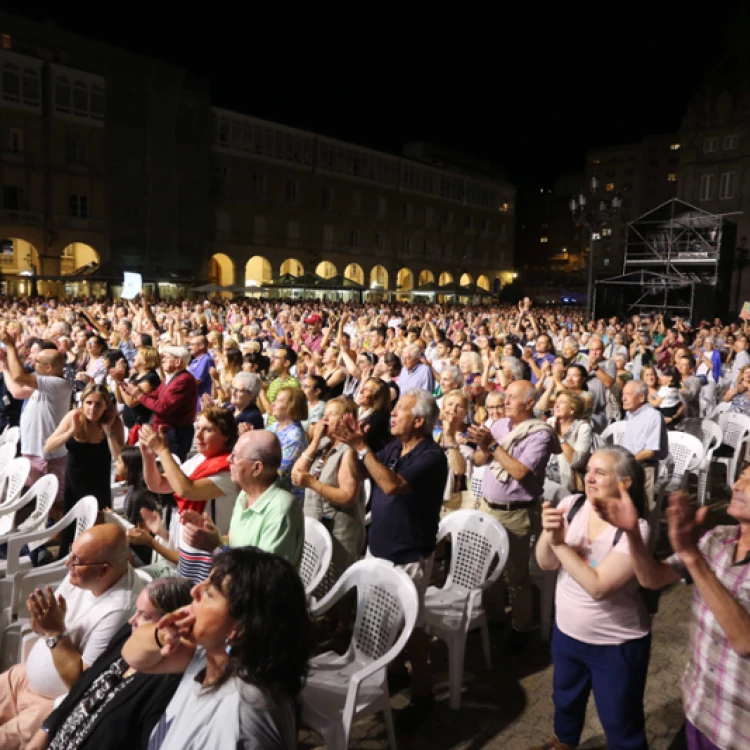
[[727, 185], [710, 145], [706, 187], [730, 142]]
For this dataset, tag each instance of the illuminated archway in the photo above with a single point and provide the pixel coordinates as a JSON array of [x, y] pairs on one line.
[[258, 271], [379, 278], [426, 277], [405, 280], [445, 278], [20, 257], [483, 283], [354, 272], [466, 279], [75, 256], [221, 270], [326, 269], [292, 266]]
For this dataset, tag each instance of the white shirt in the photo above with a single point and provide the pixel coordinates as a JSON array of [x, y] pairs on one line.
[[91, 621], [43, 412]]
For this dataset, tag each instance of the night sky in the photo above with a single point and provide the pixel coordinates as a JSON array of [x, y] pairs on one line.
[[528, 89]]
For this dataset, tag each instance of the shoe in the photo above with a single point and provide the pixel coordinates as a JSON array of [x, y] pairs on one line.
[[516, 642], [398, 681], [553, 744], [415, 714]]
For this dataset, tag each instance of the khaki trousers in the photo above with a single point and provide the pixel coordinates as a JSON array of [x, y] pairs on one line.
[[649, 485], [22, 711], [522, 525]]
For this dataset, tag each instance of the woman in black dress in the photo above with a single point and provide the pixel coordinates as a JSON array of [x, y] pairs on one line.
[[146, 378]]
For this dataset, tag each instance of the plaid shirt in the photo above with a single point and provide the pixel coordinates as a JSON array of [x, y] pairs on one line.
[[716, 684]]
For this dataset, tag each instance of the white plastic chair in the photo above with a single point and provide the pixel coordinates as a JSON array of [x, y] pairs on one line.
[[340, 689], [477, 478], [614, 433], [709, 433], [718, 410], [43, 492], [13, 481], [10, 435], [316, 555], [7, 454], [452, 611], [735, 429]]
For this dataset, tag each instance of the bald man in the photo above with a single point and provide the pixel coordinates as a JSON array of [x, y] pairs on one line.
[[265, 515], [75, 624], [48, 397]]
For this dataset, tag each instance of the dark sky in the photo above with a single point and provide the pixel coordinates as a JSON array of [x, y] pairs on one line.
[[529, 89]]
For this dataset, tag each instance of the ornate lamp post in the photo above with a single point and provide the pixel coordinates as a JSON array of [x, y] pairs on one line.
[[594, 216]]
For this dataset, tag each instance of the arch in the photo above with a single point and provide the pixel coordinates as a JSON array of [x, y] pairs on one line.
[[483, 283], [18, 256], [354, 272], [76, 255], [258, 271], [405, 280], [466, 279], [326, 269], [426, 277], [221, 269], [292, 266], [379, 278], [445, 278]]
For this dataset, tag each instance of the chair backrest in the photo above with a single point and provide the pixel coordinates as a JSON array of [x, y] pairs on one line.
[[387, 604], [686, 451], [477, 477], [316, 555], [14, 479], [734, 428], [477, 539], [707, 431], [718, 410], [10, 435], [45, 491], [7, 454], [614, 433]]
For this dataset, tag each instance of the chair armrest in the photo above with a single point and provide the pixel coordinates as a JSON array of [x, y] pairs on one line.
[[17, 541], [8, 508]]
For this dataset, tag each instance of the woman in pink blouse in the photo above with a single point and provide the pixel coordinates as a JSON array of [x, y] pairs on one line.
[[602, 634]]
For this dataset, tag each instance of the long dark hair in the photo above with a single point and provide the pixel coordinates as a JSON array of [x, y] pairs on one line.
[[267, 600]]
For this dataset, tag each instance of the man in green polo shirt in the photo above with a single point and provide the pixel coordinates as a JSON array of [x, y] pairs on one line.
[[265, 515], [282, 362]]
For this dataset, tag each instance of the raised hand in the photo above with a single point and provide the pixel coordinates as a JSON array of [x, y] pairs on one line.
[[156, 442], [553, 522], [199, 531], [175, 626], [47, 611], [140, 537], [620, 511], [684, 522]]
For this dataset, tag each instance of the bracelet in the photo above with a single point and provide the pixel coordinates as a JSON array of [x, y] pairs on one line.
[[156, 638], [308, 457]]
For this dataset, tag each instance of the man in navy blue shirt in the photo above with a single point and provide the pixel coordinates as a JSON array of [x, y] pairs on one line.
[[408, 482]]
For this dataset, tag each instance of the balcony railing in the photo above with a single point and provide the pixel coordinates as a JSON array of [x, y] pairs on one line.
[[27, 218]]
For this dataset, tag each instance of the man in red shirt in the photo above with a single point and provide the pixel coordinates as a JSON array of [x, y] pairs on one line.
[[314, 339], [173, 402]]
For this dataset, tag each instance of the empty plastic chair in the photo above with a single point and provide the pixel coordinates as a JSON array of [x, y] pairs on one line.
[[316, 555]]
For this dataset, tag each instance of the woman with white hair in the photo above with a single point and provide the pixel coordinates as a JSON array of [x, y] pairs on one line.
[[246, 387]]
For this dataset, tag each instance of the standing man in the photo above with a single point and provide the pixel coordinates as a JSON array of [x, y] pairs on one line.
[[415, 373], [174, 402], [313, 339], [645, 433], [48, 397], [200, 366], [282, 361], [544, 353], [601, 381], [516, 450], [408, 481], [126, 345]]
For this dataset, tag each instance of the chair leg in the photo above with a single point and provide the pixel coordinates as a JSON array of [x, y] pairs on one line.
[[335, 737], [485, 631], [390, 731], [456, 648]]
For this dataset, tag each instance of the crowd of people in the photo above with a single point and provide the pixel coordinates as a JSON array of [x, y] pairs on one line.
[[229, 422]]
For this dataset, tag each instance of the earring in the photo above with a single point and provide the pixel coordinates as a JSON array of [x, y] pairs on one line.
[[228, 647]]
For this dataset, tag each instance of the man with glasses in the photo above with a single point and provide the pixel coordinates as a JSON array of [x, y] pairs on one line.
[[48, 397], [282, 362], [265, 515], [74, 625], [173, 402], [495, 406]]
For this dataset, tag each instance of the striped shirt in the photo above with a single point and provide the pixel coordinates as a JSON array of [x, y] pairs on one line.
[[716, 685]]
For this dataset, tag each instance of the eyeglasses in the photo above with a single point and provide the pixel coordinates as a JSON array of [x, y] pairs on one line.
[[239, 390], [74, 562]]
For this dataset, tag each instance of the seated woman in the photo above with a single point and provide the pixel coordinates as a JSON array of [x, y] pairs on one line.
[[738, 396], [242, 649], [374, 402], [332, 479], [575, 439], [602, 632], [289, 409], [113, 706], [246, 387]]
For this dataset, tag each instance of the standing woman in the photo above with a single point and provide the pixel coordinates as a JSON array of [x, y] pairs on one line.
[[332, 372], [229, 365], [314, 388], [454, 412], [146, 377], [290, 409], [575, 439], [602, 634], [374, 402]]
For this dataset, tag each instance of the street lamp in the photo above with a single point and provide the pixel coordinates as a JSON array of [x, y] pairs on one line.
[[594, 216]]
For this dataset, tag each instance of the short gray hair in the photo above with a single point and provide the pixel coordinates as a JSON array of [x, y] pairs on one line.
[[627, 467], [515, 367], [250, 382], [571, 342], [640, 388], [425, 406], [415, 350], [453, 370]]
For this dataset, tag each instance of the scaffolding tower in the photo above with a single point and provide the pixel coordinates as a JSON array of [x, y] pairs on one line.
[[678, 262]]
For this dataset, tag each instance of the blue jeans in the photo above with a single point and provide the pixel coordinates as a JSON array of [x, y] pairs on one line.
[[617, 675]]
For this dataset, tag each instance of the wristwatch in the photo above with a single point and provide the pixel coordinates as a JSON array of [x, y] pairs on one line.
[[361, 455], [492, 448], [53, 640]]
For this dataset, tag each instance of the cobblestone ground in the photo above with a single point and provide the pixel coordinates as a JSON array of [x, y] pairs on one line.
[[509, 707]]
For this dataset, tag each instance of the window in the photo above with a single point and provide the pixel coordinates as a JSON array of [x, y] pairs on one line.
[[609, 187], [730, 142], [379, 241], [31, 87], [448, 218], [381, 208], [354, 240], [672, 177], [79, 206], [13, 198], [607, 232], [62, 95], [408, 212], [326, 198], [292, 233], [428, 216], [706, 187], [606, 261], [485, 226], [710, 144], [356, 204], [674, 146], [469, 223], [223, 133], [610, 173], [259, 229], [80, 99], [292, 192], [407, 244], [259, 184], [727, 185], [328, 237], [15, 140], [11, 83], [79, 150], [543, 239], [629, 172]]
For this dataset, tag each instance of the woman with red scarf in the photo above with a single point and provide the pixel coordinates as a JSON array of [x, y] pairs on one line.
[[202, 484]]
